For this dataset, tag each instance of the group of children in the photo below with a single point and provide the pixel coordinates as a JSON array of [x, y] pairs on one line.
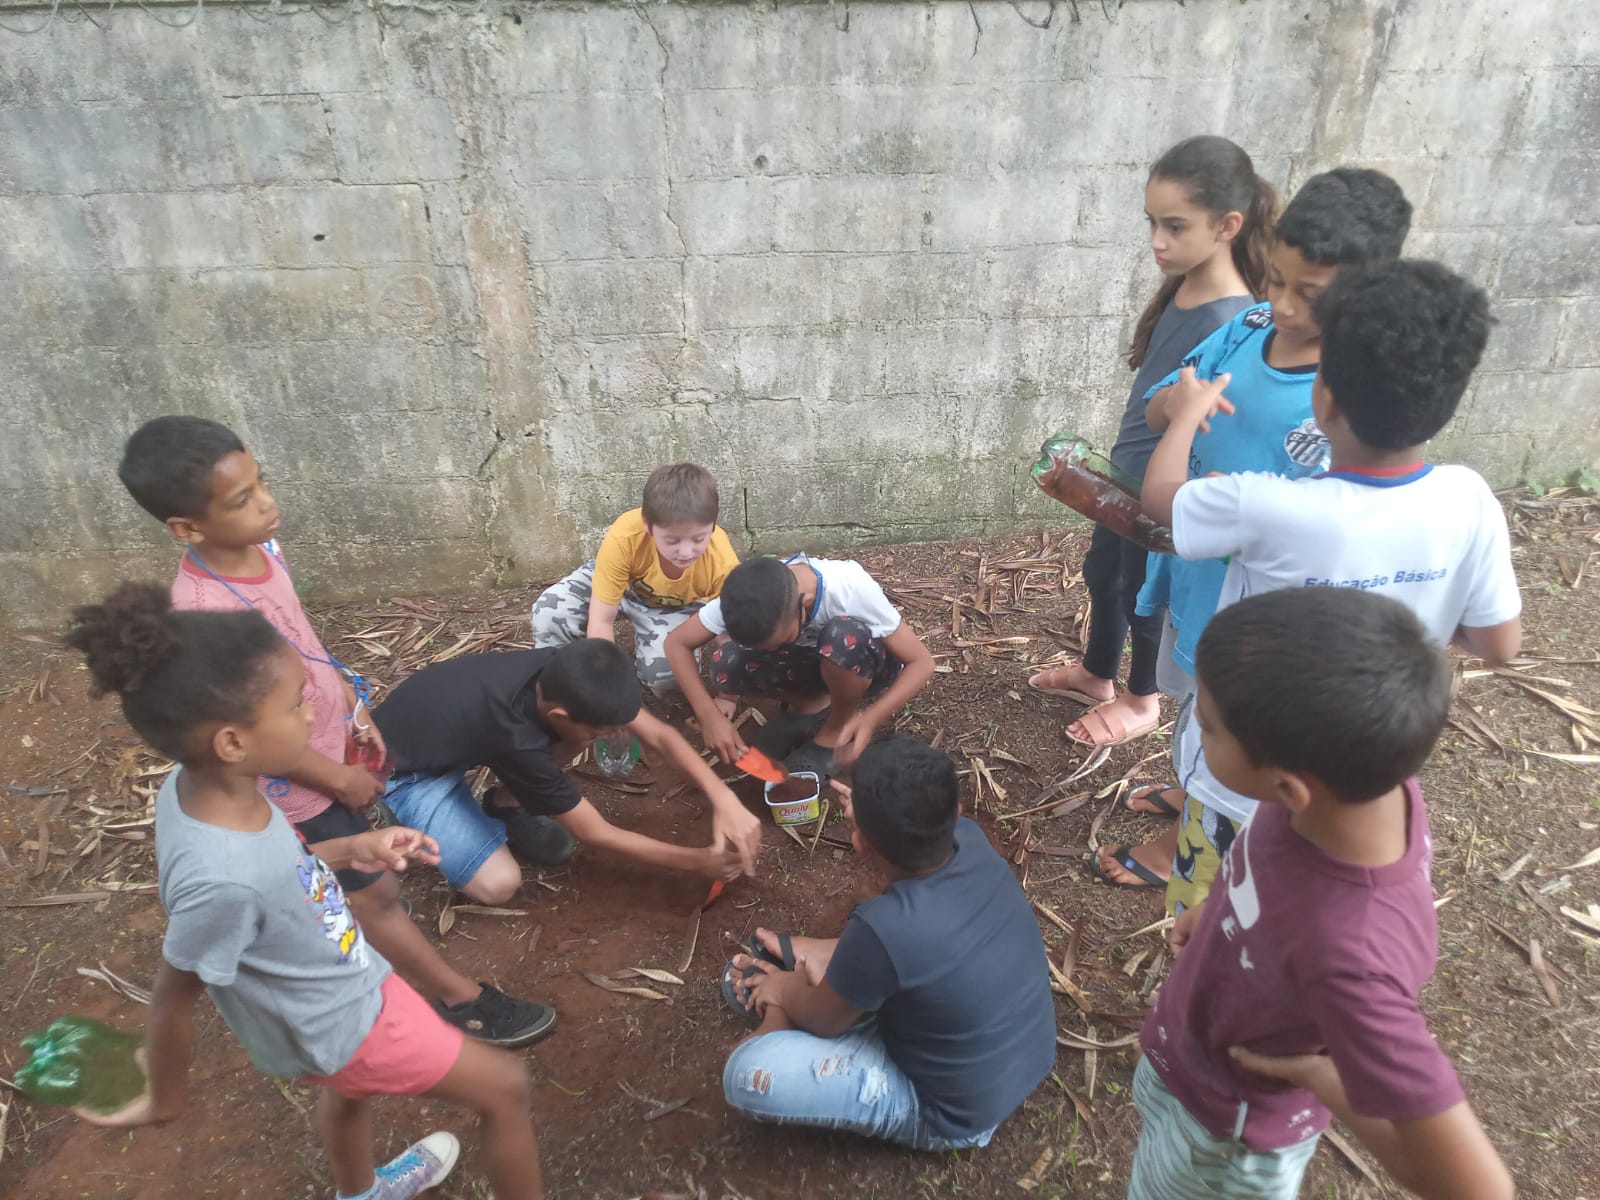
[[1321, 568]]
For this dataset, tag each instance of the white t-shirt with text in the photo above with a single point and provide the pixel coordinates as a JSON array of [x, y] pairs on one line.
[[1432, 537]]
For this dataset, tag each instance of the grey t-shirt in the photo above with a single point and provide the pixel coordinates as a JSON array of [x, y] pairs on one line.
[[265, 924], [953, 964], [1178, 331]]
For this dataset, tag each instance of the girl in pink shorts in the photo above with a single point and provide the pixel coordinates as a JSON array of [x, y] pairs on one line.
[[257, 918]]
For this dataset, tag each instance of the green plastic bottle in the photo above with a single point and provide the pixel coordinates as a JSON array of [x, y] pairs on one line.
[[1073, 472], [83, 1063]]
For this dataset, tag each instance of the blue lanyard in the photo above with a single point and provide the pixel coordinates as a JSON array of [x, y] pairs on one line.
[[356, 682], [816, 601]]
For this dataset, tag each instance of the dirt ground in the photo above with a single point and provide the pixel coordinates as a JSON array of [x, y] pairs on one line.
[[1509, 816]]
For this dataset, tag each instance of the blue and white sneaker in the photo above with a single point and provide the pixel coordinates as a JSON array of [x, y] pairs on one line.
[[423, 1166]]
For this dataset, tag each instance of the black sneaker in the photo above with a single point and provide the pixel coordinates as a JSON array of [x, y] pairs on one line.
[[499, 1019], [542, 841]]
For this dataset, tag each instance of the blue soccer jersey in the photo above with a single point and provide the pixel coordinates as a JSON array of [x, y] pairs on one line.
[[1270, 430]]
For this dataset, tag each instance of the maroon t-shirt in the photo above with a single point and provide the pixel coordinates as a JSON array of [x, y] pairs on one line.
[[1299, 953]]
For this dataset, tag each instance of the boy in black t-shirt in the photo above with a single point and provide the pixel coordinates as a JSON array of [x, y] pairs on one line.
[[508, 711], [929, 1019]]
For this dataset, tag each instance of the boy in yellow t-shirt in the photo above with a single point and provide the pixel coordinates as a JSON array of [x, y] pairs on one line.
[[657, 565]]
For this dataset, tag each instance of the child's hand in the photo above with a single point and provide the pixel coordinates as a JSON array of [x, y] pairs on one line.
[[722, 737], [1314, 1072], [853, 739], [370, 736], [735, 827], [1183, 928], [357, 788], [846, 796], [1198, 399], [721, 861], [768, 986], [391, 849]]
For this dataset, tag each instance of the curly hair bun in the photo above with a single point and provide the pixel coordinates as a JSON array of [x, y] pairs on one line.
[[125, 637]]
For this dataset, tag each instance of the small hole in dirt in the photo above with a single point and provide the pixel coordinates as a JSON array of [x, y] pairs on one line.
[[761, 162], [319, 237], [516, 19]]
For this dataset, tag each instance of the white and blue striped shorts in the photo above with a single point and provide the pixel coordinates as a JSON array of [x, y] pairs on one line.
[[1177, 1159]]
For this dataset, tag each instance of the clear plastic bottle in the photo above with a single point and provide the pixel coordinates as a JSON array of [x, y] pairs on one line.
[[1073, 472], [616, 758]]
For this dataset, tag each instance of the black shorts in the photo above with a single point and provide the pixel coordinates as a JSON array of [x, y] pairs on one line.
[[337, 821]]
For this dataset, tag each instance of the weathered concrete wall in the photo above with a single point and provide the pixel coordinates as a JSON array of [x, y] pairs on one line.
[[461, 280]]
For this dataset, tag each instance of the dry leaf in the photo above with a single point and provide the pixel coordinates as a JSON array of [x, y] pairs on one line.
[[1542, 972], [611, 985], [1356, 1158], [1076, 1041], [63, 898], [488, 910], [657, 974], [1588, 860], [1036, 1172]]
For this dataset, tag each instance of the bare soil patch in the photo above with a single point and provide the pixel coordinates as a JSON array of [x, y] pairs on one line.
[[1507, 817]]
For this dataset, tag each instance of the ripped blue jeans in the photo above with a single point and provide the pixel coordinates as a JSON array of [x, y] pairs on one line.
[[848, 1082]]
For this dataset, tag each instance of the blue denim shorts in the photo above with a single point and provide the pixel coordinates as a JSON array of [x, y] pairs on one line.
[[443, 807]]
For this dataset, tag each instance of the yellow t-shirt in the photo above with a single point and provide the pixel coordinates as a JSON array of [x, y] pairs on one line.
[[628, 561]]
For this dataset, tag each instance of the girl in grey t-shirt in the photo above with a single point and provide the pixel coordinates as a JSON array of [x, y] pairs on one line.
[[1210, 219], [257, 918]]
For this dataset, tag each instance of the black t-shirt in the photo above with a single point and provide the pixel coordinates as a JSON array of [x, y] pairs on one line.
[[954, 966], [479, 710]]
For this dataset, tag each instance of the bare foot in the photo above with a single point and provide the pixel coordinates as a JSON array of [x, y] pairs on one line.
[[1121, 720], [1156, 857], [1074, 682], [1143, 801]]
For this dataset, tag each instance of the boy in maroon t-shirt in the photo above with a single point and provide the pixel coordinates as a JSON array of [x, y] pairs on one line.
[[1295, 993]]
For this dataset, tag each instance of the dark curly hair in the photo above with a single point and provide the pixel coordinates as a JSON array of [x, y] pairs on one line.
[[174, 671], [906, 800], [756, 597], [1382, 693], [1346, 216], [167, 464], [1400, 341]]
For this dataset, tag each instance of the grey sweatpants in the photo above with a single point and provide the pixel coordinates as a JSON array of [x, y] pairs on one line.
[[561, 615]]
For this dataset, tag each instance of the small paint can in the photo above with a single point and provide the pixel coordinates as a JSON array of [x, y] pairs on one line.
[[792, 809]]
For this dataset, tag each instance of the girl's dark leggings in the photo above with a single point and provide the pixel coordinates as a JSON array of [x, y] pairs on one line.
[[1113, 571]]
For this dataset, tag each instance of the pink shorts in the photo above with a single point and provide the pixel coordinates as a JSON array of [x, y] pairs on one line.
[[408, 1050]]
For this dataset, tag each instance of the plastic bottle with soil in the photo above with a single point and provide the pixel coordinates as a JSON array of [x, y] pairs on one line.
[[82, 1063], [1073, 472]]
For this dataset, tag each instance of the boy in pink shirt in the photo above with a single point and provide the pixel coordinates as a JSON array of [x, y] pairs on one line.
[[196, 477], [1295, 992]]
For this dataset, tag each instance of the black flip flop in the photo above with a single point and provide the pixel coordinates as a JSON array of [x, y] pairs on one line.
[[784, 960], [756, 950], [1126, 860], [786, 731], [1158, 798]]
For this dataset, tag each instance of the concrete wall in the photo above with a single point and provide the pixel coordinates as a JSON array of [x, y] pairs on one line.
[[461, 280]]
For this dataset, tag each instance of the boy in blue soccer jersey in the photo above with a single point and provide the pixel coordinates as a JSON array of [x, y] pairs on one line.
[[1268, 357]]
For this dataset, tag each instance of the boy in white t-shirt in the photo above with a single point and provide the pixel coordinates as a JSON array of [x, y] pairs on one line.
[[815, 633], [1399, 343]]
